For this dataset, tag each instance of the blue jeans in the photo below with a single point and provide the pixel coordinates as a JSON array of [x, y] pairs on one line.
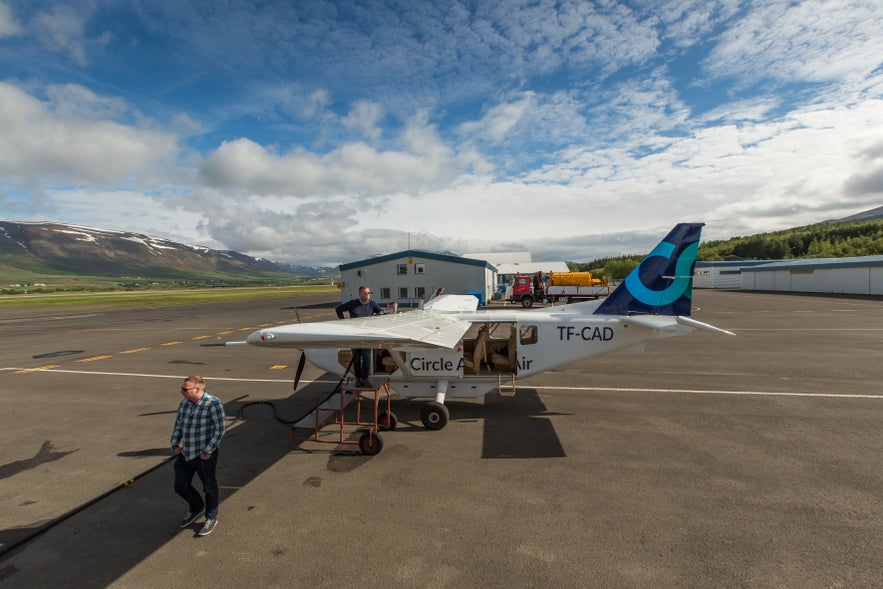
[[184, 471], [362, 363]]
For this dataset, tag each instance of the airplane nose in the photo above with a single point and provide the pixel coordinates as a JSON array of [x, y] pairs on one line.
[[258, 337]]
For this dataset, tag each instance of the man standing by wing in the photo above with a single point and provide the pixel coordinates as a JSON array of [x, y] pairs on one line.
[[361, 307]]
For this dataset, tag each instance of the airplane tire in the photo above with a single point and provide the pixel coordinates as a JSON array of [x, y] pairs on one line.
[[385, 425], [434, 415], [370, 443]]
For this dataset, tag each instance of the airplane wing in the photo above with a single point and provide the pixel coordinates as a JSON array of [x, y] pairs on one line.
[[402, 331]]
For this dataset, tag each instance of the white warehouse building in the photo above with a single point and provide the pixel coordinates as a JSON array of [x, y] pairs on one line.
[[860, 275], [722, 274], [413, 276]]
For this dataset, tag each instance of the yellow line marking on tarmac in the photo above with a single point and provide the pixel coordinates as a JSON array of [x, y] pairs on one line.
[[38, 368], [171, 343], [224, 332], [94, 359], [278, 367], [178, 376], [200, 337], [135, 351]]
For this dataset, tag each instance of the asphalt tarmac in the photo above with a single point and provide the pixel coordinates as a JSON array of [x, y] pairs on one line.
[[709, 461]]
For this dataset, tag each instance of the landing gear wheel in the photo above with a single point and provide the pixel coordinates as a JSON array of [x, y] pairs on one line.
[[434, 415], [370, 443], [387, 421]]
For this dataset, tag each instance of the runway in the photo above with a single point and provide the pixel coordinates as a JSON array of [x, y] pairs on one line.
[[748, 461]]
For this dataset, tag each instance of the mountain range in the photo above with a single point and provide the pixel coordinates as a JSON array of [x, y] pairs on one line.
[[74, 249], [59, 248]]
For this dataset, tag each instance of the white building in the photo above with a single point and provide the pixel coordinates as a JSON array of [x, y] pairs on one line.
[[858, 275], [508, 264], [722, 274], [411, 276]]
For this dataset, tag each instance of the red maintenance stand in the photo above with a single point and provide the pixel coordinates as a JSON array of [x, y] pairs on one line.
[[333, 413]]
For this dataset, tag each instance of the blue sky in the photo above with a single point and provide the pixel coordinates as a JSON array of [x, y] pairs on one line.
[[326, 132]]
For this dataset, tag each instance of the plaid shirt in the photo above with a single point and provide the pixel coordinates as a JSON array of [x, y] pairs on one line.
[[198, 427]]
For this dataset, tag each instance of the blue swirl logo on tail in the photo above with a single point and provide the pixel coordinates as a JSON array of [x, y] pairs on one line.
[[662, 284], [679, 286]]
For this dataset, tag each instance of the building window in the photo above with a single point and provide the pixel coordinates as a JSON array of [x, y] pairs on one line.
[[419, 268], [384, 293], [403, 292], [401, 268], [419, 292]]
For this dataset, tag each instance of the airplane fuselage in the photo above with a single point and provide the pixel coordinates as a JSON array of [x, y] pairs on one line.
[[518, 344]]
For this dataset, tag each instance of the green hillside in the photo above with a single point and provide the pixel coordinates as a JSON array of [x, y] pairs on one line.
[[822, 240], [30, 275]]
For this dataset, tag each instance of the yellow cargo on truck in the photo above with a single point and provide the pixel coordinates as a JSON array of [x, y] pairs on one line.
[[552, 287]]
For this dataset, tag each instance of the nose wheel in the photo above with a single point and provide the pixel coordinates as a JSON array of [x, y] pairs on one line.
[[434, 415]]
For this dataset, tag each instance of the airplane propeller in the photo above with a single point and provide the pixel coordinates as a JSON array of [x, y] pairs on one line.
[[300, 369]]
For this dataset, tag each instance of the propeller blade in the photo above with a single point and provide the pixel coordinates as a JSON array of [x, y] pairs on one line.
[[300, 369]]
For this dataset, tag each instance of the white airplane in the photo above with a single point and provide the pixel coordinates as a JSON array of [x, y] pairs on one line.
[[450, 349]]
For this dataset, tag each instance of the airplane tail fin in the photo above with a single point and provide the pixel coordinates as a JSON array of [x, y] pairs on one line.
[[662, 284]]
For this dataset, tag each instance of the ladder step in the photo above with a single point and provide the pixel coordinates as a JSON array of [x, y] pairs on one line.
[[326, 409]]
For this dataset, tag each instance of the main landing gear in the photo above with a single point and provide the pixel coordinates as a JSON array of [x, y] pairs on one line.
[[434, 414]]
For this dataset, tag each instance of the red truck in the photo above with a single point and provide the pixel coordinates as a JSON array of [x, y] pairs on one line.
[[552, 287]]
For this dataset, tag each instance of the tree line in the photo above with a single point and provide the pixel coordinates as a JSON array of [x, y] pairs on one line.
[[822, 240]]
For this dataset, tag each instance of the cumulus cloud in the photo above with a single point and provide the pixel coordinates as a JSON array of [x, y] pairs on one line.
[[71, 138], [351, 169]]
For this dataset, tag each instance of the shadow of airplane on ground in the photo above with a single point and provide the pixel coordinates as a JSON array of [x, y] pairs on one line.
[[515, 427]]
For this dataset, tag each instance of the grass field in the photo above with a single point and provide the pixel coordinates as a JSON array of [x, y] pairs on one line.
[[160, 297]]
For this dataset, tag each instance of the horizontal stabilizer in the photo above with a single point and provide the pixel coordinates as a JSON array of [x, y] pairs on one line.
[[452, 304], [673, 325], [699, 325]]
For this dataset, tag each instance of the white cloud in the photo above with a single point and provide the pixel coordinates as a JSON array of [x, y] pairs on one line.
[[364, 117], [72, 138], [499, 119], [351, 169], [814, 40], [8, 25], [63, 30]]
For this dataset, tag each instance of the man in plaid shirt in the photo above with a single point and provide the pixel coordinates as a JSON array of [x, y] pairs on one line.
[[199, 427]]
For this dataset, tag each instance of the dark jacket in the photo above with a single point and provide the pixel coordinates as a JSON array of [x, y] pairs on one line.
[[357, 308]]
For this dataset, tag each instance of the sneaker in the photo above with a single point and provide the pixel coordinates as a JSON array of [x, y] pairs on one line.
[[208, 528], [188, 519]]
